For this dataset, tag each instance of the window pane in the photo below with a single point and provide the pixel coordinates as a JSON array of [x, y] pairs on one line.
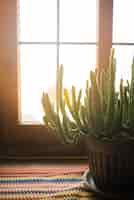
[[123, 29], [38, 20], [38, 68], [78, 20], [78, 60], [124, 55]]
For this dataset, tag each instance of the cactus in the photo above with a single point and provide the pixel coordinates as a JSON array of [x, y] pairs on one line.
[[100, 111]]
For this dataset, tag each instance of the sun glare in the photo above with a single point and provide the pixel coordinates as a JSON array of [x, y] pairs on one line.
[[38, 49]]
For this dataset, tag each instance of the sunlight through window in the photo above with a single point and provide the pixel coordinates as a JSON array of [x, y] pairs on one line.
[[123, 37], [53, 32]]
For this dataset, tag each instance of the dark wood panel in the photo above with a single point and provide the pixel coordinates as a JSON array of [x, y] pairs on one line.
[[34, 151]]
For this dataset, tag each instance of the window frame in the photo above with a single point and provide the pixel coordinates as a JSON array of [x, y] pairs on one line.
[[35, 141]]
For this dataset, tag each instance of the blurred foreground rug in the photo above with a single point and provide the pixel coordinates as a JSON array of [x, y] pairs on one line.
[[43, 182]]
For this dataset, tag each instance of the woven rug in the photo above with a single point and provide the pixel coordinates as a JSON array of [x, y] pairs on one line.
[[49, 183]]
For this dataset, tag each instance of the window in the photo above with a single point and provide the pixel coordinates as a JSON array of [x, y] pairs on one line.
[[29, 62], [54, 32], [123, 37]]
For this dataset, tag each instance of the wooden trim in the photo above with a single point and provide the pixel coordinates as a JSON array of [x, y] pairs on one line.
[[8, 66], [8, 59], [104, 32]]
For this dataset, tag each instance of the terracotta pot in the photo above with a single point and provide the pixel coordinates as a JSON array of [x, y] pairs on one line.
[[112, 165]]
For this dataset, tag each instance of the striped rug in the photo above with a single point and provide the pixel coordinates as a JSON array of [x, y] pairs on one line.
[[38, 183]]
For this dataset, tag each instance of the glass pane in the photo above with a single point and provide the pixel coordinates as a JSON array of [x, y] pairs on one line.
[[123, 29], [38, 20], [124, 55], [38, 68], [78, 20], [78, 60]]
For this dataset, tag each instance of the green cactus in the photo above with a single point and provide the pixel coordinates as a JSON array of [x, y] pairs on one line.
[[100, 111]]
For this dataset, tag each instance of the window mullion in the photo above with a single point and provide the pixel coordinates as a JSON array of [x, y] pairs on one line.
[[104, 37]]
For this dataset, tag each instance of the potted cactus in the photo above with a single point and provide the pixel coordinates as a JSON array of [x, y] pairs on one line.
[[105, 117]]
